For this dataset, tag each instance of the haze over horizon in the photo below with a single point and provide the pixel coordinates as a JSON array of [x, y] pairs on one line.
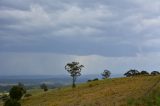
[[39, 37]]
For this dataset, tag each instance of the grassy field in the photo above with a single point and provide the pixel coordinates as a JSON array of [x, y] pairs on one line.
[[109, 92], [135, 91]]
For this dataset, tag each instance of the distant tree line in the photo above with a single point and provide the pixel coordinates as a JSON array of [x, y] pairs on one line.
[[134, 72]]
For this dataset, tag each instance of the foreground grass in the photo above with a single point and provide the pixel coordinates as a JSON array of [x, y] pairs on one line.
[[109, 92], [152, 99], [1, 103]]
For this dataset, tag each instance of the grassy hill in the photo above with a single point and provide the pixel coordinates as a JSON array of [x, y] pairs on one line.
[[133, 91], [109, 92]]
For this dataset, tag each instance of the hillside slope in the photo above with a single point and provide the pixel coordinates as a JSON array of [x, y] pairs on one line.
[[109, 92]]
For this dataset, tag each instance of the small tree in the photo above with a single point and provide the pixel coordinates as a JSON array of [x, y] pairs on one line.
[[44, 87], [131, 72], [155, 73], [16, 93], [106, 74], [74, 69]]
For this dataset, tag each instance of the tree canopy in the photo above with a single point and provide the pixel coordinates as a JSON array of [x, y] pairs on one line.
[[106, 74], [155, 73], [132, 72], [16, 93], [144, 73]]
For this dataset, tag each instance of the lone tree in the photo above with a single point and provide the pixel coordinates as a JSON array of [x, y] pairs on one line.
[[106, 74], [74, 69], [44, 87], [131, 72]]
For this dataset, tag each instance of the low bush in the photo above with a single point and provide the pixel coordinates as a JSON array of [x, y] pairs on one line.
[[96, 79]]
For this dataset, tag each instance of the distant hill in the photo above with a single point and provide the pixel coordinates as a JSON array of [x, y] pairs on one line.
[[133, 91], [36, 80]]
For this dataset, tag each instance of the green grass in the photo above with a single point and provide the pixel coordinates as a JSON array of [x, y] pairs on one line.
[[152, 99]]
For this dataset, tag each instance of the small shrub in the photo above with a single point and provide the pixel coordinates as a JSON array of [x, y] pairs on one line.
[[44, 87], [96, 79], [89, 80]]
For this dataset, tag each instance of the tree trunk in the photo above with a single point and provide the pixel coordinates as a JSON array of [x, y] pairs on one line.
[[73, 84]]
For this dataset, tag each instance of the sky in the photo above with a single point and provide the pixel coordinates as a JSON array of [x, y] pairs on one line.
[[39, 37]]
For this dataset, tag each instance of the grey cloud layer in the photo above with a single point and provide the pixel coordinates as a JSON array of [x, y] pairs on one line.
[[80, 27]]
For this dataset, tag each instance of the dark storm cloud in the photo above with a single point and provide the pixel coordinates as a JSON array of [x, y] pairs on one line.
[[80, 27]]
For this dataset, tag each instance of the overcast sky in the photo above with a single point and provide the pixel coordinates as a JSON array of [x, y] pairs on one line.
[[38, 37]]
